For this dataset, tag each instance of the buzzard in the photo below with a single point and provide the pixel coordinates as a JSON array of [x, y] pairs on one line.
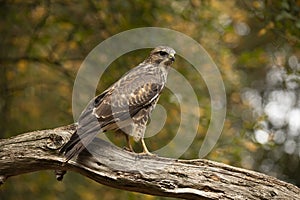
[[126, 105]]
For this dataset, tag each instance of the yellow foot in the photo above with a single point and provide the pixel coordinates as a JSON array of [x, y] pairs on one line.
[[147, 154], [145, 149]]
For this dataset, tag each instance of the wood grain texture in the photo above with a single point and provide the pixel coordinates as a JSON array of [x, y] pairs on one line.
[[115, 167]]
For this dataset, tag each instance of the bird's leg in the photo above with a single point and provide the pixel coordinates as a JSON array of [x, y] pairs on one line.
[[145, 149], [128, 143]]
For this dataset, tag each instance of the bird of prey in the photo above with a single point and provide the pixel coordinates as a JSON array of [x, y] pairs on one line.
[[126, 105]]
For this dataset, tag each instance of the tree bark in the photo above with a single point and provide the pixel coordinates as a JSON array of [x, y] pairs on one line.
[[115, 167]]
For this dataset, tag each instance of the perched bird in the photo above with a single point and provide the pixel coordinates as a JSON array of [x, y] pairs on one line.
[[126, 105]]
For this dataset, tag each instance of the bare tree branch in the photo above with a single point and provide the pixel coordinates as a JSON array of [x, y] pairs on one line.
[[112, 166]]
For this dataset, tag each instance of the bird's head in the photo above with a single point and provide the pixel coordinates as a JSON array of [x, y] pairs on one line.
[[162, 55]]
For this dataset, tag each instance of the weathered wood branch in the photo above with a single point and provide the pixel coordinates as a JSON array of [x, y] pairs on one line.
[[112, 166]]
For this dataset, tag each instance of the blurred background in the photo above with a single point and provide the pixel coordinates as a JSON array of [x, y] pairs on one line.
[[255, 44]]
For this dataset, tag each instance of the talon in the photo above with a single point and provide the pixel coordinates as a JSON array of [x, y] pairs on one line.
[[148, 154], [128, 149]]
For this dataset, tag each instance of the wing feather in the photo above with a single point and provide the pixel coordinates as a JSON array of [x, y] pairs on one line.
[[120, 106], [134, 91]]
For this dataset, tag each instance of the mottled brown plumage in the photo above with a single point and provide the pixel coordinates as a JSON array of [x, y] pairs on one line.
[[126, 105]]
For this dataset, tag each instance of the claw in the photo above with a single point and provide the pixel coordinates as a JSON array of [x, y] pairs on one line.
[[128, 149]]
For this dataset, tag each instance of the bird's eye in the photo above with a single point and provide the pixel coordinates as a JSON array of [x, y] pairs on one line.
[[163, 53]]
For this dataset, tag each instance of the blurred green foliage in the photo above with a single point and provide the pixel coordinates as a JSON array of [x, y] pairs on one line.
[[43, 44]]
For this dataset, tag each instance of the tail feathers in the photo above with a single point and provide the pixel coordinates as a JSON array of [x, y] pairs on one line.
[[75, 150], [78, 141], [73, 140]]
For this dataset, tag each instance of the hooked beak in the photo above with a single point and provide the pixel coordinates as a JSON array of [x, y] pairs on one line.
[[172, 57]]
